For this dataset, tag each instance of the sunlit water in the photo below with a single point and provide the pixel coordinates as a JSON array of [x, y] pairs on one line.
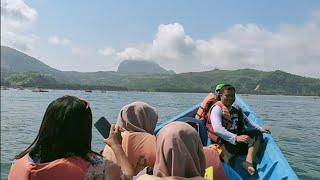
[[294, 121]]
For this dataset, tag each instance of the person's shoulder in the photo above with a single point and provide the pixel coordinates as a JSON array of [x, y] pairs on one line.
[[216, 108], [209, 97], [210, 94]]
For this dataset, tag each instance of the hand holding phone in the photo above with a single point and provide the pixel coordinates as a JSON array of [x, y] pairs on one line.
[[103, 126], [115, 137]]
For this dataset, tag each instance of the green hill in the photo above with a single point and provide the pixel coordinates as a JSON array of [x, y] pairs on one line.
[[247, 81], [19, 69], [140, 66]]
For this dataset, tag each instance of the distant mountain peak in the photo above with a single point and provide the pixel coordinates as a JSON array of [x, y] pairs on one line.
[[16, 61], [142, 66]]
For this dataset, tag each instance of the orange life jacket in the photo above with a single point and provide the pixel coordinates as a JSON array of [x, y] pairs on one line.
[[213, 159], [226, 121], [205, 106], [139, 147], [73, 168]]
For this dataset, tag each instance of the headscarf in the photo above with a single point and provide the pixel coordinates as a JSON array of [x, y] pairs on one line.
[[138, 117], [179, 152]]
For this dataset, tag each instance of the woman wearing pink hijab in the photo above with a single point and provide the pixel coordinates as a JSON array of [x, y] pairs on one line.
[[138, 117], [138, 121], [179, 153]]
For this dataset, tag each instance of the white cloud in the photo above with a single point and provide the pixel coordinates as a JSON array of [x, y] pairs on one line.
[[132, 53], [58, 40], [107, 51], [171, 48], [17, 20], [292, 48]]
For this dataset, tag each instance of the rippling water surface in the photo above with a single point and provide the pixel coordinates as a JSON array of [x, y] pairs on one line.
[[294, 121]]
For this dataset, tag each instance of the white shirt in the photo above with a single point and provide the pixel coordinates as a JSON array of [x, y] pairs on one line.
[[216, 119]]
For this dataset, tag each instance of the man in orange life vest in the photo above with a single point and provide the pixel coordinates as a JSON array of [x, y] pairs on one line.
[[226, 126]]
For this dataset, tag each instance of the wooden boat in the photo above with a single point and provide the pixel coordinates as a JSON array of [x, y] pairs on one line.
[[271, 163], [88, 90]]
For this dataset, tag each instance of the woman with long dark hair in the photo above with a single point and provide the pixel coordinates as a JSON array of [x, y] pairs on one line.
[[62, 148]]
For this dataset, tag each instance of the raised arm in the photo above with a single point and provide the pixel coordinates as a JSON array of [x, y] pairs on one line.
[[114, 141]]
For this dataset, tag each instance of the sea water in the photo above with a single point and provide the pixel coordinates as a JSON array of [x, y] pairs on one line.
[[294, 121]]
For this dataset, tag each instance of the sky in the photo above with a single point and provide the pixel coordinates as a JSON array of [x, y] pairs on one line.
[[184, 36]]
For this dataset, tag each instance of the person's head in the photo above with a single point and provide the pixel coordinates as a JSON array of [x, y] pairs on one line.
[[217, 90], [66, 130], [179, 152], [227, 95], [138, 117]]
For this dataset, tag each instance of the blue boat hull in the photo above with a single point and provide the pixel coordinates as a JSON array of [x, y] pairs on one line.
[[271, 164]]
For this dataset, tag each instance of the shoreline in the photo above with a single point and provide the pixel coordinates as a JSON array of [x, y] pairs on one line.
[[135, 90]]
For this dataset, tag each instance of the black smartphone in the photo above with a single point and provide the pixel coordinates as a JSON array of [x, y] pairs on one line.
[[103, 126]]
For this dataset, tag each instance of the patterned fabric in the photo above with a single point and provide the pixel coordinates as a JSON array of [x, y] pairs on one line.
[[104, 170], [96, 172]]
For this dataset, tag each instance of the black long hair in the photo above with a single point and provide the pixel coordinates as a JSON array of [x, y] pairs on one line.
[[65, 131]]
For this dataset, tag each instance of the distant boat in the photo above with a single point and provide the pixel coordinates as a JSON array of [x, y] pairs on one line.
[[40, 90], [88, 90]]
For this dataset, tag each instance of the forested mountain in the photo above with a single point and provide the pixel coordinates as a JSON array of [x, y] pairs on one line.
[[19, 69], [139, 66]]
